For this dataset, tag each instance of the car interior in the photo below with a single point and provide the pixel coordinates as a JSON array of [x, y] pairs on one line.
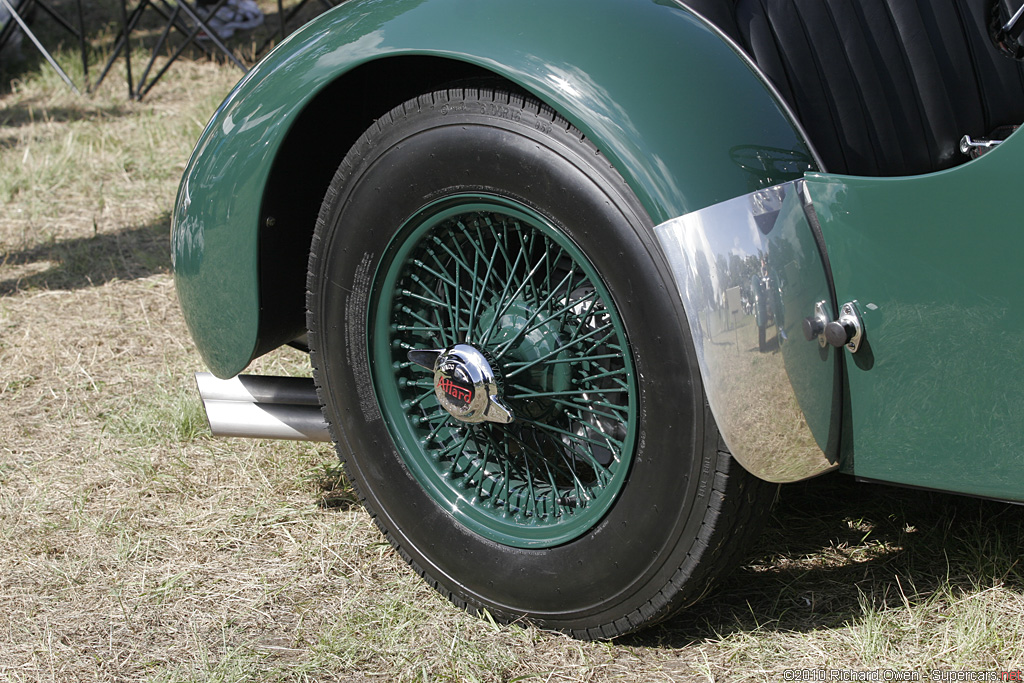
[[885, 87]]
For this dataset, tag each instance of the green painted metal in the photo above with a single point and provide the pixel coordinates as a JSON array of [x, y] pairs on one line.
[[937, 393], [794, 264], [491, 273], [665, 98]]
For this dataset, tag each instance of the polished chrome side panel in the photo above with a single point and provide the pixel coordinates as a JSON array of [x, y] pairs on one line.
[[775, 399]]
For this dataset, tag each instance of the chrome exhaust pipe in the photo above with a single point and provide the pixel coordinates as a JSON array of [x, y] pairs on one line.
[[259, 407]]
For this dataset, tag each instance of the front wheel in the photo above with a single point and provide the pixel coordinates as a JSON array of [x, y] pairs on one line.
[[509, 376]]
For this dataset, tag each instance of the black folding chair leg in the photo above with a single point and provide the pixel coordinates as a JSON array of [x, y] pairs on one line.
[[83, 47], [156, 50], [39, 46], [128, 24], [56, 17], [214, 38], [284, 17], [201, 25]]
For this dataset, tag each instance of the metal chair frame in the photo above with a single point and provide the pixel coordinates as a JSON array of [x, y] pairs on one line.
[[174, 13], [285, 17], [19, 22]]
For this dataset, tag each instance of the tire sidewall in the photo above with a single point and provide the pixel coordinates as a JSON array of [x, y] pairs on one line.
[[449, 144]]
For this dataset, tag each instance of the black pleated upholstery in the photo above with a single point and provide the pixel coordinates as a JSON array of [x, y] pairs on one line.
[[883, 87]]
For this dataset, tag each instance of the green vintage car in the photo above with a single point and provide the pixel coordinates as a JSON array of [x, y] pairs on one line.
[[521, 242]]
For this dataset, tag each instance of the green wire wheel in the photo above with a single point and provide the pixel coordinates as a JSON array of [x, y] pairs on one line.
[[507, 371], [496, 277]]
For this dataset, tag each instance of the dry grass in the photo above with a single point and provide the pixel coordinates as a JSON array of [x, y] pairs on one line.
[[133, 546]]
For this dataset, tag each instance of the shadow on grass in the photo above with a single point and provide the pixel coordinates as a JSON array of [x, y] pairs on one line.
[[90, 261], [336, 492], [32, 111], [834, 545]]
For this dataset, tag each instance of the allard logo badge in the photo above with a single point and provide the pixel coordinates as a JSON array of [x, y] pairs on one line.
[[464, 383], [456, 392]]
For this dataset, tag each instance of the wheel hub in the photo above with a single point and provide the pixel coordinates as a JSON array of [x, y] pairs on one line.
[[465, 383], [516, 345]]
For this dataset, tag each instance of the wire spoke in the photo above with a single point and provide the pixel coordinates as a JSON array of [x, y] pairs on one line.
[[556, 351], [526, 392], [607, 443], [526, 329], [505, 284]]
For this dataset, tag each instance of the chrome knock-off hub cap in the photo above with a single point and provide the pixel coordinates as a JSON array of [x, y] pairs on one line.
[[465, 384]]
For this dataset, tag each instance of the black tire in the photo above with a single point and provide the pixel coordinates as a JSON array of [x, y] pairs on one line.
[[762, 339], [681, 511]]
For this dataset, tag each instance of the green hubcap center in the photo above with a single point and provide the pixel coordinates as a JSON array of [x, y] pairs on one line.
[[524, 340]]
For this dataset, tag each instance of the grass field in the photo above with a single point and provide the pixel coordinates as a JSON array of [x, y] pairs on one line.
[[134, 546]]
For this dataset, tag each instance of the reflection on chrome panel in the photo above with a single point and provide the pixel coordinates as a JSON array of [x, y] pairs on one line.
[[748, 271]]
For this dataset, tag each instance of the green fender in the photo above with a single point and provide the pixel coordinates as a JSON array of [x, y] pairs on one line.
[[669, 101]]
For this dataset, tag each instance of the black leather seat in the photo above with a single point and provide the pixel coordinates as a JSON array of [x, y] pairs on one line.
[[883, 87]]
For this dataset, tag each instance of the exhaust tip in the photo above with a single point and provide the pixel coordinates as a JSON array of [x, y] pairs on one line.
[[263, 407]]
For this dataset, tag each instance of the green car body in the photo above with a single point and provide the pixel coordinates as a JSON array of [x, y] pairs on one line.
[[936, 399], [314, 78], [911, 417], [926, 386]]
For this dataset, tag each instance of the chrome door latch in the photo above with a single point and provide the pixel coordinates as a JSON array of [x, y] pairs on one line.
[[847, 331], [814, 325], [978, 147], [1011, 24]]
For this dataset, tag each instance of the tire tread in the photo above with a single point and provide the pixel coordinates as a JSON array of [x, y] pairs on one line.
[[736, 501]]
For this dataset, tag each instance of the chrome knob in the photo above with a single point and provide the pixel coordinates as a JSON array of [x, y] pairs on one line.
[[814, 325], [465, 383], [848, 330], [839, 333]]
